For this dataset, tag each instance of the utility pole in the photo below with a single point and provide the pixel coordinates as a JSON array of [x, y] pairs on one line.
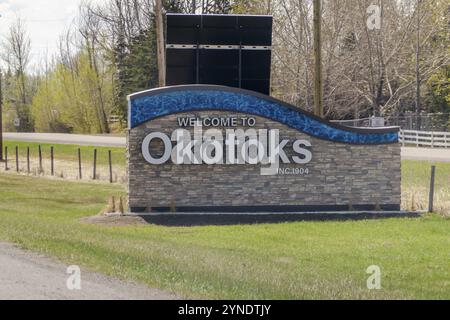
[[418, 105], [318, 104], [160, 43], [1, 116]]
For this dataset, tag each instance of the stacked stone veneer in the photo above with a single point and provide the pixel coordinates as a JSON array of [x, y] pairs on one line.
[[340, 175]]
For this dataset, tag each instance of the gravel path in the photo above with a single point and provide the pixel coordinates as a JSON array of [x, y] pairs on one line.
[[29, 276]]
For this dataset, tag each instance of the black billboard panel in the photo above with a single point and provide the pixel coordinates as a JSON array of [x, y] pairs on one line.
[[231, 50], [256, 31], [257, 85], [183, 29], [225, 73], [252, 60], [219, 30], [181, 67]]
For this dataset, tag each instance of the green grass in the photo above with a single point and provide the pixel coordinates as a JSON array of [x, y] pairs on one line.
[[305, 260], [417, 173], [416, 185], [66, 152]]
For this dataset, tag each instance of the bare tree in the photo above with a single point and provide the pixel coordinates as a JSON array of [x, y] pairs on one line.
[[217, 6], [365, 70], [88, 30], [17, 57], [418, 106], [18, 53]]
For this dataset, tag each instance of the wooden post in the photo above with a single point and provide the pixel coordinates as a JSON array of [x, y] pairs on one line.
[[94, 174], [110, 167], [161, 52], [17, 158], [28, 160], [52, 159], [318, 105], [431, 198], [80, 175], [40, 159], [6, 158]]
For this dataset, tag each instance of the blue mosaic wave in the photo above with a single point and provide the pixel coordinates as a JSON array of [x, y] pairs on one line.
[[158, 103]]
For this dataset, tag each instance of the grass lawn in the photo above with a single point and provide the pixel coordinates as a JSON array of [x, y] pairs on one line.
[[417, 173], [304, 260]]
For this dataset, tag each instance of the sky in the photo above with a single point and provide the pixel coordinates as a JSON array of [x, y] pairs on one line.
[[45, 21]]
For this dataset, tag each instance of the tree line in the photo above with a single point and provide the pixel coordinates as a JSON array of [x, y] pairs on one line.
[[385, 57]]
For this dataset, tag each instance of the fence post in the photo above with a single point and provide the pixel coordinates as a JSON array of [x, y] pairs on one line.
[[432, 139], [6, 159], [28, 160], [40, 159], [417, 138], [17, 158], [431, 198], [110, 167], [79, 165], [94, 174], [52, 165]]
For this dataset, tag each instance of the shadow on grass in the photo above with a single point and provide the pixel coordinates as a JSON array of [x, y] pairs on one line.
[[191, 220]]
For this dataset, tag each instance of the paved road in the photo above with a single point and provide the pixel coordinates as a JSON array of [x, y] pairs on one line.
[[60, 138], [29, 276], [439, 155], [426, 154]]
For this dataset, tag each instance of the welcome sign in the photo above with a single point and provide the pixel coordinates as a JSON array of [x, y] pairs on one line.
[[230, 146], [219, 149]]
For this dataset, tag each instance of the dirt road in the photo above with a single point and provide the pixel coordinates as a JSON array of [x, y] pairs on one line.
[[26, 275]]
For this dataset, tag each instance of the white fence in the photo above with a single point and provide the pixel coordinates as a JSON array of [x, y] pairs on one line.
[[425, 139]]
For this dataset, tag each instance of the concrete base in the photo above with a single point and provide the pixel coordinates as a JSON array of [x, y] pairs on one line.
[[204, 219]]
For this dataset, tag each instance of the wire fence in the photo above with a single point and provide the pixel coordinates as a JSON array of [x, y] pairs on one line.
[[104, 165], [97, 165]]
